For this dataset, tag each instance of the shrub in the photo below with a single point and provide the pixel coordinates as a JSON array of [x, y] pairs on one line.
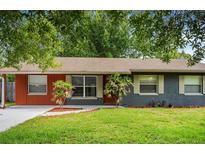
[[170, 105], [157, 104], [61, 91], [117, 86]]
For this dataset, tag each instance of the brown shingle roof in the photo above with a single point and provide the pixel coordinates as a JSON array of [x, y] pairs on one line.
[[75, 65]]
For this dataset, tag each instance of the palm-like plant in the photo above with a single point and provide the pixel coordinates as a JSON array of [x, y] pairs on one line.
[[117, 86]]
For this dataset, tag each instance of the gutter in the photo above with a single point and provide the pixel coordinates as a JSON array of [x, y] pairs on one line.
[[66, 72], [2, 92], [166, 71]]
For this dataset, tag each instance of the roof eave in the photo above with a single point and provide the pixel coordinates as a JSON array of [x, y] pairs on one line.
[[167, 71], [63, 72]]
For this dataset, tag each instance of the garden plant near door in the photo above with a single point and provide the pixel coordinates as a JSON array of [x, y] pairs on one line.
[[61, 91], [117, 86]]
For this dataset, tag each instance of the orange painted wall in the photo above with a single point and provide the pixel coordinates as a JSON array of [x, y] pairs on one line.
[[22, 97]]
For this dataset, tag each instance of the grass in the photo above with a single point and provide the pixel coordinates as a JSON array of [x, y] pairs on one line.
[[10, 104], [149, 125]]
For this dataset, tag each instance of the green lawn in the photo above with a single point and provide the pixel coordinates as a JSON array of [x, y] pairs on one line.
[[149, 125]]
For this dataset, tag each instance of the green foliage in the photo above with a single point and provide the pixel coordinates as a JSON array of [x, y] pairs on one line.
[[159, 33], [31, 40], [117, 86], [61, 91], [8, 104], [179, 55], [36, 37], [94, 33], [175, 55], [10, 77]]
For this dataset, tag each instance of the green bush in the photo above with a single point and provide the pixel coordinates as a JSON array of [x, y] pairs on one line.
[[61, 91], [117, 86]]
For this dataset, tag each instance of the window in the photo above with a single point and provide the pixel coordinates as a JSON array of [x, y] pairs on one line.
[[37, 84], [148, 83], [192, 84], [85, 86], [77, 82]]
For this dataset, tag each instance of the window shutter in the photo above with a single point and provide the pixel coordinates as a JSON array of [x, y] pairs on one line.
[[99, 86], [136, 84], [181, 84], [161, 84], [68, 78], [203, 84]]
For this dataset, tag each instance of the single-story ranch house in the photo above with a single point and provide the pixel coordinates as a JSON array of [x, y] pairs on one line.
[[174, 83]]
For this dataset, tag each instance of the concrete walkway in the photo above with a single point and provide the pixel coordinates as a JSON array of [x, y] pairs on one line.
[[15, 115]]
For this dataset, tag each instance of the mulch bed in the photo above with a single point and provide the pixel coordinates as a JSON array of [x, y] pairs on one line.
[[57, 109]]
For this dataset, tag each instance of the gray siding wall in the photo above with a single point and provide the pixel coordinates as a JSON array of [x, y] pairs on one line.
[[171, 95]]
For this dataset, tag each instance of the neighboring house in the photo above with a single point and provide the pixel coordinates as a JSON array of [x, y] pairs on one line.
[[174, 83]]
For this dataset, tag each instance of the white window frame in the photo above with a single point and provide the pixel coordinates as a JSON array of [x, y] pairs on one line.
[[84, 86], [157, 92], [196, 94], [38, 93]]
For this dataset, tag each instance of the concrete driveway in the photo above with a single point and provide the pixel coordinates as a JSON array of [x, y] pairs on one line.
[[15, 115]]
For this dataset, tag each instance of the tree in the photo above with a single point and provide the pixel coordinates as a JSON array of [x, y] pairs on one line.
[[36, 37], [93, 33], [149, 34], [162, 32], [117, 86], [179, 55], [27, 40], [61, 91]]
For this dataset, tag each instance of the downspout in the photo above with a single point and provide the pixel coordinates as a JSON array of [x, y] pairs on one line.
[[2, 92]]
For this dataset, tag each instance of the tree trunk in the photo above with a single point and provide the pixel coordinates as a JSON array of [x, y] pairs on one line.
[[118, 99], [117, 102], [61, 104]]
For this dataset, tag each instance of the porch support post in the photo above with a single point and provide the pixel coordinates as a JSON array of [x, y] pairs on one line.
[[2, 92], [5, 89]]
